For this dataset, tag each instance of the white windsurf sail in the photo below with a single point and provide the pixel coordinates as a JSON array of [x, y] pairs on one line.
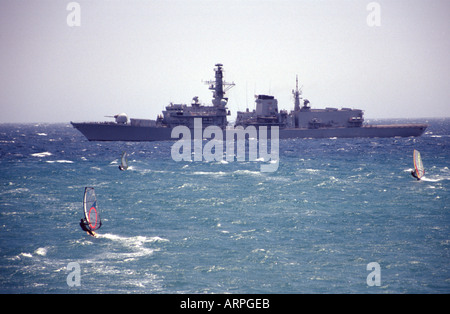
[[418, 165], [124, 161], [91, 212]]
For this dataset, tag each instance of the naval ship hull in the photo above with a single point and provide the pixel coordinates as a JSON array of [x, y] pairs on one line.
[[121, 132], [117, 132], [397, 130]]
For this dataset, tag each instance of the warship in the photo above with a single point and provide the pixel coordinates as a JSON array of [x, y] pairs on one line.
[[302, 122]]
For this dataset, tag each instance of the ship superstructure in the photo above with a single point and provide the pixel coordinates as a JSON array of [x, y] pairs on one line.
[[305, 122], [304, 117], [181, 114]]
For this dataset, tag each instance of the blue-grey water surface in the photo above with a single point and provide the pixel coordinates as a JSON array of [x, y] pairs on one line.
[[332, 207]]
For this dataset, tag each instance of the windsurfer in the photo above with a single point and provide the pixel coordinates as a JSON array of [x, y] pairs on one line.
[[414, 174], [121, 168], [83, 224], [419, 171]]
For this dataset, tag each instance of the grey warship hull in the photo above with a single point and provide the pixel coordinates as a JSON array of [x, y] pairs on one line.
[[396, 130], [94, 131]]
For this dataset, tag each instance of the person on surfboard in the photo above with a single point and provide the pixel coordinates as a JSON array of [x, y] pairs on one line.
[[91, 220], [83, 224], [414, 174]]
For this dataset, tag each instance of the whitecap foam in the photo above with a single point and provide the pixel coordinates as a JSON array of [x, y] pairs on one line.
[[42, 251], [219, 173], [433, 179], [131, 240], [43, 154], [60, 161], [247, 172], [15, 191], [136, 244]]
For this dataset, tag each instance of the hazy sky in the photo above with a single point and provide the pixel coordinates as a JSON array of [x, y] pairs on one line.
[[138, 56]]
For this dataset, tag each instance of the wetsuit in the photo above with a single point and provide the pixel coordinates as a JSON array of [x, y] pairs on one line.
[[83, 226]]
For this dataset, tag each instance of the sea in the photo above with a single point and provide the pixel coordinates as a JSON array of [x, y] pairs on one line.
[[337, 216]]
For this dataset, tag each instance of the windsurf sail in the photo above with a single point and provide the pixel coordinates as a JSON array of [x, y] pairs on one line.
[[91, 212], [418, 165], [124, 161]]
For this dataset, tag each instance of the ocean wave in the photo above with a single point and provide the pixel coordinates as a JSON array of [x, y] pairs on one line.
[[249, 172], [434, 178], [43, 154], [136, 244], [29, 255], [42, 251], [312, 170], [60, 161], [218, 173], [135, 239], [15, 191]]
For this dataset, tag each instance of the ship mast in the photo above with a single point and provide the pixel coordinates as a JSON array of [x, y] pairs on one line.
[[219, 87], [297, 95]]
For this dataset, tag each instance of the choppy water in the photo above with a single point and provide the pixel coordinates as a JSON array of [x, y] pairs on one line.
[[333, 206]]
